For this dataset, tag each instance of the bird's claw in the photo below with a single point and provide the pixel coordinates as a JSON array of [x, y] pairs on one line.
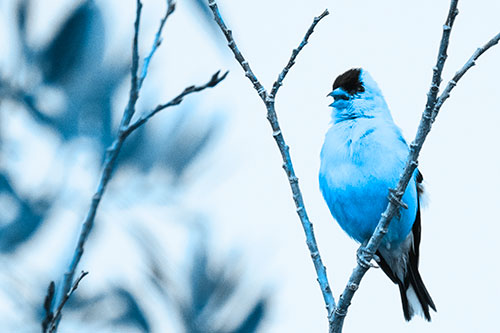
[[364, 257]]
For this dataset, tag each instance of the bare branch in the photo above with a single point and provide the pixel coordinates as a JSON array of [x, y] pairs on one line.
[[134, 91], [461, 72], [268, 100], [237, 54], [109, 162], [442, 56], [156, 43], [295, 52], [56, 316], [175, 101], [112, 152]]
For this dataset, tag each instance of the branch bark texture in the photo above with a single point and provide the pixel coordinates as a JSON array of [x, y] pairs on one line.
[[268, 99]]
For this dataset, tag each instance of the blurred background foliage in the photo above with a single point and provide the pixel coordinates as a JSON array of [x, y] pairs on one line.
[[59, 107]]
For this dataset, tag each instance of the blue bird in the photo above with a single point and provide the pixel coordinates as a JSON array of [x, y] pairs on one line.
[[362, 157]]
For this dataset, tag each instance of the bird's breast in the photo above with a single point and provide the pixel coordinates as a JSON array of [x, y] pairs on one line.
[[360, 161]]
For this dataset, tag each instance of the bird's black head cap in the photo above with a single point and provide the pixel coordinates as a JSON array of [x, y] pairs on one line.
[[350, 81]]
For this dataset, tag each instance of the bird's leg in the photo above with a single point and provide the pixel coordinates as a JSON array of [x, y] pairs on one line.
[[364, 256]]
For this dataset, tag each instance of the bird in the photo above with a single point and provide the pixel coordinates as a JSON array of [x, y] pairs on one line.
[[363, 156]]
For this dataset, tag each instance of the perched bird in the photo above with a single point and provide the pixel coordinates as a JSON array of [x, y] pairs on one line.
[[363, 156]]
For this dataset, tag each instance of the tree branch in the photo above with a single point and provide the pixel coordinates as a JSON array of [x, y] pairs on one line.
[[295, 52], [56, 316], [432, 108], [112, 152], [156, 43], [237, 54], [461, 72], [134, 91], [442, 56], [268, 100], [175, 101]]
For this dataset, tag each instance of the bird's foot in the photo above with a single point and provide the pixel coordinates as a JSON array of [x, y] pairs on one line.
[[364, 257], [396, 198]]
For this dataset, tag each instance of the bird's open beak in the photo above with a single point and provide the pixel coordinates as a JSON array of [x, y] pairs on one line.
[[339, 94]]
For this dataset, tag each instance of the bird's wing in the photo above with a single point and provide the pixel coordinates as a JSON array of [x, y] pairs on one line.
[[417, 229], [412, 279]]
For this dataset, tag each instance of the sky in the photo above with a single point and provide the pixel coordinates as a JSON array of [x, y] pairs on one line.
[[241, 186]]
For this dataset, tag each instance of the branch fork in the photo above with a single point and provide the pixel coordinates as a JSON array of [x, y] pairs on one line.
[[269, 99], [68, 286]]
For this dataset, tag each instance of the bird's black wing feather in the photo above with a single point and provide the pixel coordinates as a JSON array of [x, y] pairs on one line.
[[412, 276], [413, 257]]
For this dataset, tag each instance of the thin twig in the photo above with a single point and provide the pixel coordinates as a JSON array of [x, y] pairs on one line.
[[442, 56], [109, 162], [57, 314], [295, 52], [134, 91], [112, 153], [458, 75], [237, 54], [268, 100], [156, 43], [175, 101]]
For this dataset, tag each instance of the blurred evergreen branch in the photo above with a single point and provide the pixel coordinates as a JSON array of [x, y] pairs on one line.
[[26, 222], [207, 289], [196, 295]]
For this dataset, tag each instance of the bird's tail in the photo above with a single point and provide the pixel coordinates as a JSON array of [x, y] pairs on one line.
[[414, 296]]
